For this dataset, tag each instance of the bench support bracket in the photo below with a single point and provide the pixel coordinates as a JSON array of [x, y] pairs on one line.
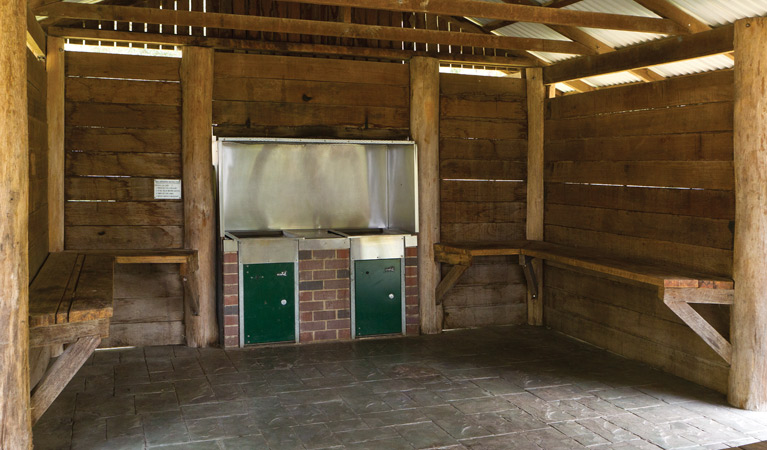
[[60, 374], [449, 281], [532, 281], [679, 299]]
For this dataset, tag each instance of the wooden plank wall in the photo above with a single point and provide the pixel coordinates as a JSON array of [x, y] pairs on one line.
[[483, 148], [148, 306], [280, 96], [123, 120], [38, 164], [645, 172], [122, 131]]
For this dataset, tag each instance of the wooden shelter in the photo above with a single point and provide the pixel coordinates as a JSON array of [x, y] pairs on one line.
[[629, 216]]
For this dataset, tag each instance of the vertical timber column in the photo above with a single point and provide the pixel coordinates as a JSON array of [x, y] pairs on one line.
[[536, 96], [748, 370], [424, 127], [199, 213], [54, 67], [15, 422]]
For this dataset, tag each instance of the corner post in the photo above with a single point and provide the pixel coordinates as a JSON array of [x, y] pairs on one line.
[[15, 419], [198, 190], [424, 127], [748, 385], [536, 96]]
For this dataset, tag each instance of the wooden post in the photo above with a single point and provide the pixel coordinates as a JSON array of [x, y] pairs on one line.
[[748, 331], [424, 127], [15, 424], [199, 212], [54, 66], [536, 95]]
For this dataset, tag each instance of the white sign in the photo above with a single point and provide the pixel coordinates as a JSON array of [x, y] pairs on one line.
[[167, 189]]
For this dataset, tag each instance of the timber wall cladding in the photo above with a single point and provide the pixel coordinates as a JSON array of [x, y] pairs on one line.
[[483, 154], [38, 164], [123, 123], [278, 96], [644, 172]]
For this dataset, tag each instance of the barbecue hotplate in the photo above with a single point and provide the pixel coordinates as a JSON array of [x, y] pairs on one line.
[[360, 232], [258, 234]]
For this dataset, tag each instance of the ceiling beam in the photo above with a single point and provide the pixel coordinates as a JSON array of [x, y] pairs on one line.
[[516, 13], [666, 9], [306, 27], [286, 47], [718, 40]]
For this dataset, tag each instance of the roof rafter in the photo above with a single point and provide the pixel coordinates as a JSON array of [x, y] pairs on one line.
[[515, 12], [719, 40], [306, 27]]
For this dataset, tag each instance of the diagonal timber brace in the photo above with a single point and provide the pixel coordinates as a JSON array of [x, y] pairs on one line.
[[679, 299], [532, 281], [449, 281]]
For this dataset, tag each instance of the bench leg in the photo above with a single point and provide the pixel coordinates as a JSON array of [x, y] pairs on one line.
[[60, 373]]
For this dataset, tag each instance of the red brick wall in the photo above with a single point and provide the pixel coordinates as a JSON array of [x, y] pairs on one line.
[[323, 295], [412, 314], [231, 301]]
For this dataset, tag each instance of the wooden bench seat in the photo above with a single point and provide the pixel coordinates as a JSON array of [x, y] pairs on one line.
[[70, 302], [677, 287]]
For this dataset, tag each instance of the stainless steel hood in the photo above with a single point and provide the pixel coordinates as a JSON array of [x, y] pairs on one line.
[[288, 184]]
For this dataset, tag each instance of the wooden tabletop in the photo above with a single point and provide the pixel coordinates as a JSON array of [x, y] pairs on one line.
[[72, 287]]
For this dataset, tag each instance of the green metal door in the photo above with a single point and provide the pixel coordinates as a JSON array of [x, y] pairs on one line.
[[269, 302], [377, 297]]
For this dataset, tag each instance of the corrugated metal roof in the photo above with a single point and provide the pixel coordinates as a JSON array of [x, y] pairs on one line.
[[698, 65], [712, 12], [538, 31], [718, 12], [612, 79], [616, 38]]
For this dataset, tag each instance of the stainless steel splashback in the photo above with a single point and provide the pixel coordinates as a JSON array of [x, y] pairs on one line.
[[308, 184]]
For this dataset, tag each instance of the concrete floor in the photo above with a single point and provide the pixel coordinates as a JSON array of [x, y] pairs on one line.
[[502, 387]]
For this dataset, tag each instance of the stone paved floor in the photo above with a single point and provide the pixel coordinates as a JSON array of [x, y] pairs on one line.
[[503, 387]]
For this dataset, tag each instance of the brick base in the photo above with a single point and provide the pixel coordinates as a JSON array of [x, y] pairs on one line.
[[231, 301], [412, 308], [323, 295]]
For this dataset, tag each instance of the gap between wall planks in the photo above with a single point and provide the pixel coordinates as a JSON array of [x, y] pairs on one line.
[[483, 193], [747, 386], [609, 184]]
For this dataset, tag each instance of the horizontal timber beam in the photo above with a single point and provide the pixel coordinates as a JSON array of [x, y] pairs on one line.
[[718, 40], [300, 26], [287, 47], [516, 13]]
